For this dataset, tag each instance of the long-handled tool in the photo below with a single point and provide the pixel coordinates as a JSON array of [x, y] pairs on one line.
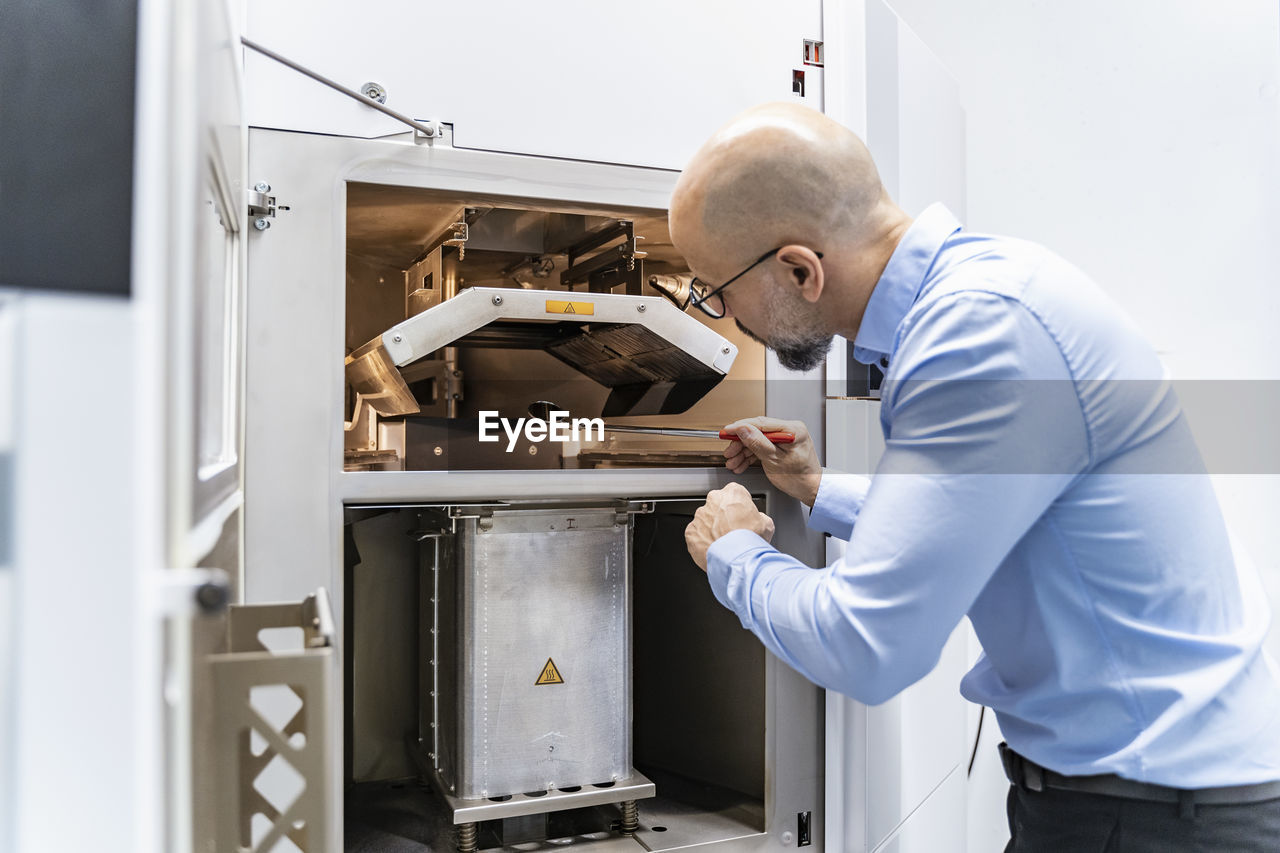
[[543, 408], [776, 436]]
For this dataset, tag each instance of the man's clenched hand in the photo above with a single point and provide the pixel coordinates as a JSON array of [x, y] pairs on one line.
[[730, 508], [793, 468]]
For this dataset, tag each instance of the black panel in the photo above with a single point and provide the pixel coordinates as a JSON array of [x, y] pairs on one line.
[[66, 143], [862, 380]]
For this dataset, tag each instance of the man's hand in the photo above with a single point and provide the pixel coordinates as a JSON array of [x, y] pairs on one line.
[[793, 468], [730, 508]]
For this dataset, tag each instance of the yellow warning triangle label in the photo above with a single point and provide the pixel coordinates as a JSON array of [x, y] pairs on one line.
[[549, 675], [561, 306]]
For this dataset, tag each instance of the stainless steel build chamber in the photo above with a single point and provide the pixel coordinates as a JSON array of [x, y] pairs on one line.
[[569, 677], [530, 671]]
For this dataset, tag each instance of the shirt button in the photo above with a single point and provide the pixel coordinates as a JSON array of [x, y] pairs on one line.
[[884, 362]]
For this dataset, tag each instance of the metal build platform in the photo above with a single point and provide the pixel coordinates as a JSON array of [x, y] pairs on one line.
[[635, 787], [409, 816]]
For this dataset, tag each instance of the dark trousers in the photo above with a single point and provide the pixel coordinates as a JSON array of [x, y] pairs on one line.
[[1054, 821]]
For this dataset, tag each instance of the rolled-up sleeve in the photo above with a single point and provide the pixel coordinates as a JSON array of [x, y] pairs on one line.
[[985, 432]]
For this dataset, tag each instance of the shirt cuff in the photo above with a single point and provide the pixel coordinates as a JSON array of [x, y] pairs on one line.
[[721, 557], [835, 508]]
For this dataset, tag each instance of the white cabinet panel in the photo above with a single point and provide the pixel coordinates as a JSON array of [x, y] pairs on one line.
[[914, 742], [931, 129], [8, 380], [915, 117], [638, 84], [884, 762], [937, 825], [84, 692]]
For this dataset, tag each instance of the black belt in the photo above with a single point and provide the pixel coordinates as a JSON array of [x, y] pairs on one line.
[[1026, 774]]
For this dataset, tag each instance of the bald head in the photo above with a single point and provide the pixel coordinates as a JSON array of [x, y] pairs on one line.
[[788, 181], [778, 173]]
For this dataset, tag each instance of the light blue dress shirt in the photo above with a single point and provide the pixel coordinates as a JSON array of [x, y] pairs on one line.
[[1038, 476]]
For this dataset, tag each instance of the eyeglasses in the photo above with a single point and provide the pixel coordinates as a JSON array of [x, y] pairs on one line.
[[710, 301]]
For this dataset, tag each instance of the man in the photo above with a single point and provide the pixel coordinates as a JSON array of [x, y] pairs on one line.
[[1038, 476]]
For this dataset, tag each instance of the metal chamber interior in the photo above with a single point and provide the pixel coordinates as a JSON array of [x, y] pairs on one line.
[[695, 720], [697, 682], [397, 266]]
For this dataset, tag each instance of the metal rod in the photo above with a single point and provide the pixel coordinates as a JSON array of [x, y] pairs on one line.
[[435, 653], [542, 409], [776, 436], [350, 93], [690, 433]]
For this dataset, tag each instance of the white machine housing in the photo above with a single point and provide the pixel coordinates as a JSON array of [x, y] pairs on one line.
[[220, 391]]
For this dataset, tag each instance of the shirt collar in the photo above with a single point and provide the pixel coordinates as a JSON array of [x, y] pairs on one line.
[[901, 281]]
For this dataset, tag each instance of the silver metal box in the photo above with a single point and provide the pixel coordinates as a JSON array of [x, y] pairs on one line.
[[532, 679]]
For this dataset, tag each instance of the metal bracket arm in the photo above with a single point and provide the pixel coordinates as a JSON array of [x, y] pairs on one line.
[[430, 130], [441, 325]]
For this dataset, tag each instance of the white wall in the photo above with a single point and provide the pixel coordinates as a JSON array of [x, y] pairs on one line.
[[1141, 140]]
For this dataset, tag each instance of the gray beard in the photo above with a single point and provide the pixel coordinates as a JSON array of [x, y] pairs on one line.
[[803, 355]]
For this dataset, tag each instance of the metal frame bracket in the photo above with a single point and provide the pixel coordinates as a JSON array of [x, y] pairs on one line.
[[262, 205], [609, 267], [433, 130]]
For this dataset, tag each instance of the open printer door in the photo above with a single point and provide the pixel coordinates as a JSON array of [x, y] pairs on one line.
[[121, 477]]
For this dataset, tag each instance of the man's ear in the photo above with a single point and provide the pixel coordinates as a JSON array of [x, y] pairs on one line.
[[804, 270]]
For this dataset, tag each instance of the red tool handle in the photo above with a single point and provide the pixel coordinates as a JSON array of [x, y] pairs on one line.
[[778, 437]]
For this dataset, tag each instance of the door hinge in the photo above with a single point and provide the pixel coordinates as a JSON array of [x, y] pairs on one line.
[[262, 205]]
